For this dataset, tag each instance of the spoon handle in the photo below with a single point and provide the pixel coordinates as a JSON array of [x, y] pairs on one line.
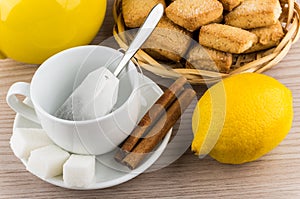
[[142, 35]]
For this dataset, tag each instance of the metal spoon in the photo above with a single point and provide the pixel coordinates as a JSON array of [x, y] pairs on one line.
[[101, 85]]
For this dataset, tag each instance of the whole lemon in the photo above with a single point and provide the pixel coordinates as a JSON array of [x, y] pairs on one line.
[[33, 30], [242, 118]]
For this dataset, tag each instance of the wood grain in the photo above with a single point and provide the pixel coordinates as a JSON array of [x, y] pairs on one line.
[[276, 175]]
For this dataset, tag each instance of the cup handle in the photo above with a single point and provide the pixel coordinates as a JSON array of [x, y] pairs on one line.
[[21, 88]]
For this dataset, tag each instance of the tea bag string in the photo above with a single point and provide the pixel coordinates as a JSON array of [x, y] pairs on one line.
[[135, 61]]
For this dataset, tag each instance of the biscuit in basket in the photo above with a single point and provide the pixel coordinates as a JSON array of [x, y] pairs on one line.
[[218, 20], [230, 4], [254, 14], [268, 37], [208, 59], [168, 41], [136, 11], [226, 38], [191, 14]]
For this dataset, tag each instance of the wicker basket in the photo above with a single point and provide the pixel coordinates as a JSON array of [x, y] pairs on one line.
[[255, 62]]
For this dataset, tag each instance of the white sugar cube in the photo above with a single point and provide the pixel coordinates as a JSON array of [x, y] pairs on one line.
[[79, 170], [47, 162], [24, 140]]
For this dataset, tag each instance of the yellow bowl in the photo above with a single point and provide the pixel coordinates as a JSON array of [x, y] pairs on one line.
[[33, 30]]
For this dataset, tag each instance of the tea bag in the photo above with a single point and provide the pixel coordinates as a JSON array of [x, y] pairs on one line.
[[90, 100]]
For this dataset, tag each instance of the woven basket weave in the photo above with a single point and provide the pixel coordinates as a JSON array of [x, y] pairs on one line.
[[255, 62]]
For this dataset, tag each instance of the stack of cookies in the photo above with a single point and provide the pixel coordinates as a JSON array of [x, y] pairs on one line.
[[207, 34]]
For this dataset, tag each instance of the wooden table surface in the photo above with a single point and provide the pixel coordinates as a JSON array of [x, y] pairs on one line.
[[275, 175]]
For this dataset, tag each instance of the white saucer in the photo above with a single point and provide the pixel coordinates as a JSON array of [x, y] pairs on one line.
[[108, 171]]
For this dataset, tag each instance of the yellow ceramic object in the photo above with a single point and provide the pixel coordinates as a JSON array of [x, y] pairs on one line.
[[33, 30]]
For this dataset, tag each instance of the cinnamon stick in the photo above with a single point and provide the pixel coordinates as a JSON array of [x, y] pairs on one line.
[[151, 116], [160, 129]]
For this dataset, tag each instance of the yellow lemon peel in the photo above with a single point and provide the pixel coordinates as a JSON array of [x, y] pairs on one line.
[[242, 118]]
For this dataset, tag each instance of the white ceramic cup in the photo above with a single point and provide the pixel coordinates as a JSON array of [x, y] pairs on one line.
[[55, 80]]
